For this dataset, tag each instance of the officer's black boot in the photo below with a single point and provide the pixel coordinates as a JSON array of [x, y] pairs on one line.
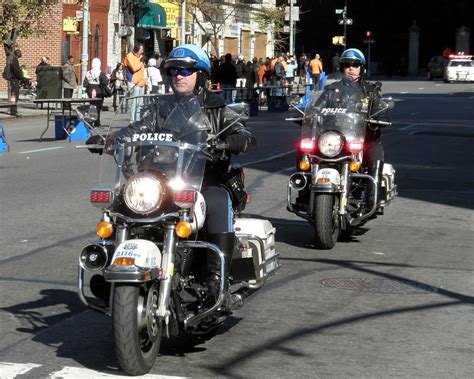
[[225, 242], [375, 170]]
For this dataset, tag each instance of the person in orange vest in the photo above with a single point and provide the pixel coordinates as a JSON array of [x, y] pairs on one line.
[[316, 68], [137, 82]]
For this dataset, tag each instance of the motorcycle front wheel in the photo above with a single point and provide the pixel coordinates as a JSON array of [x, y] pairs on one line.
[[326, 220], [137, 333]]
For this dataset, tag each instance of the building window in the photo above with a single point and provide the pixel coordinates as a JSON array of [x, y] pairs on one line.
[[96, 41]]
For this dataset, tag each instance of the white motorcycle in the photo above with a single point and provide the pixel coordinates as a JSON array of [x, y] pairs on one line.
[[147, 270]]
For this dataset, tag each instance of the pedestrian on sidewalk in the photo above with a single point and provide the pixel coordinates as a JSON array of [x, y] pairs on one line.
[[227, 77], [119, 85], [291, 68], [136, 79], [241, 70], [93, 82], [15, 79], [70, 80], [316, 68], [154, 77]]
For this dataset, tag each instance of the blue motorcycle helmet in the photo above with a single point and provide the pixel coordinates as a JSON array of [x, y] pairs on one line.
[[189, 56], [352, 56]]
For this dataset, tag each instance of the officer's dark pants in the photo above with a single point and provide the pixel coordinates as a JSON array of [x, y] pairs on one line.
[[219, 226], [374, 158]]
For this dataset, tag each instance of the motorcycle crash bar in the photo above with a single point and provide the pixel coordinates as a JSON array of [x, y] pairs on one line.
[[356, 221], [193, 320]]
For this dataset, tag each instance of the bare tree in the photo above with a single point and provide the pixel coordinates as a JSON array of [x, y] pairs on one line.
[[20, 18], [273, 20], [214, 19]]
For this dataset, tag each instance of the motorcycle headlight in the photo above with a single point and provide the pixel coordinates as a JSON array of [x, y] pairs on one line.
[[330, 144], [143, 193]]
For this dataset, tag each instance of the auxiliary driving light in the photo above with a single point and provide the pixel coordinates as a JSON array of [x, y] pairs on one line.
[[93, 257]]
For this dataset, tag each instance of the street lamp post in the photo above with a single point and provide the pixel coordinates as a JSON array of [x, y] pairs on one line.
[[183, 21], [291, 28], [85, 40], [344, 17]]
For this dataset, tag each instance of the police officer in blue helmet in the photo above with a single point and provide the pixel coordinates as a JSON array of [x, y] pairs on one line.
[[189, 68], [352, 65]]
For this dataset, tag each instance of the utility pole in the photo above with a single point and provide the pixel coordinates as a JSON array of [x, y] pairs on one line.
[[344, 21], [85, 40], [183, 22], [344, 17], [291, 28]]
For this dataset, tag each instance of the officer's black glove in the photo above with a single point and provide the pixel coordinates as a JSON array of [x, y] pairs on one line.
[[109, 143], [95, 140], [237, 143]]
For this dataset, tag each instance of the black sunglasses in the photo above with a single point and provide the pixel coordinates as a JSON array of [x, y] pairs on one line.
[[354, 64], [181, 71]]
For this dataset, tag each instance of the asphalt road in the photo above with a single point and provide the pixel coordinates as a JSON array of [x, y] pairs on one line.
[[395, 301]]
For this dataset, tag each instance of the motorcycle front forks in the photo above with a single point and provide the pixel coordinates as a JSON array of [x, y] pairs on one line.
[[167, 259], [344, 186]]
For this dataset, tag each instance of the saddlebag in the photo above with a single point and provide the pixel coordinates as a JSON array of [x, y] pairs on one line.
[[389, 189], [256, 259]]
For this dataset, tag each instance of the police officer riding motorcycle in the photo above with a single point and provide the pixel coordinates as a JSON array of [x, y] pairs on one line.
[[170, 234], [341, 182]]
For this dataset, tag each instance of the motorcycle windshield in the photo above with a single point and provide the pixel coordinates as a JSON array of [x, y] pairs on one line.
[[169, 140], [341, 109]]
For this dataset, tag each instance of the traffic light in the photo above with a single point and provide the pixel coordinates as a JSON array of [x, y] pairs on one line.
[[368, 34]]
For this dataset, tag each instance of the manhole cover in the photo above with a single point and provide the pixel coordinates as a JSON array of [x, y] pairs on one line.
[[378, 285]]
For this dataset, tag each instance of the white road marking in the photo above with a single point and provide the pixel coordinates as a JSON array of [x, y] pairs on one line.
[[12, 370], [45, 149], [80, 373], [403, 92], [409, 127], [269, 158]]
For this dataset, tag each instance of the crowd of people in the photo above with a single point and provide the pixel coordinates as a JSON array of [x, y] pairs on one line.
[[237, 78]]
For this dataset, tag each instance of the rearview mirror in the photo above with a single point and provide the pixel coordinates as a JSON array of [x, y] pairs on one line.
[[88, 113], [242, 109]]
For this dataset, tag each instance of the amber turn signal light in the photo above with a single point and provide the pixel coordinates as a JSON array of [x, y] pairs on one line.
[[123, 261], [104, 229], [183, 229], [304, 165], [354, 166]]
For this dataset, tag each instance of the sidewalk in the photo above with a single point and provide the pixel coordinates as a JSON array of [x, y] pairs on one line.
[[26, 108]]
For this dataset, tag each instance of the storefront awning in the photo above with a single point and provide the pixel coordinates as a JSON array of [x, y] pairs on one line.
[[149, 16]]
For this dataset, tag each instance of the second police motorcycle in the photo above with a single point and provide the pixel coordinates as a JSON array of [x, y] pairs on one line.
[[147, 270], [332, 185]]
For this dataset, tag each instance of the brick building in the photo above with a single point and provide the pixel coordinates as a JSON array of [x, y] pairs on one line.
[[57, 45]]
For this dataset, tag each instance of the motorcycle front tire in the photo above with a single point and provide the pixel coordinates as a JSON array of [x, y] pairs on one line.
[[136, 332], [326, 225]]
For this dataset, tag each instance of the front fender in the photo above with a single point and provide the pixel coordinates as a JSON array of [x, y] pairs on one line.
[[328, 180], [135, 261]]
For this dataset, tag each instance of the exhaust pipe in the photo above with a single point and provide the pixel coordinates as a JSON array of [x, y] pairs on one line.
[[93, 257], [298, 181]]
